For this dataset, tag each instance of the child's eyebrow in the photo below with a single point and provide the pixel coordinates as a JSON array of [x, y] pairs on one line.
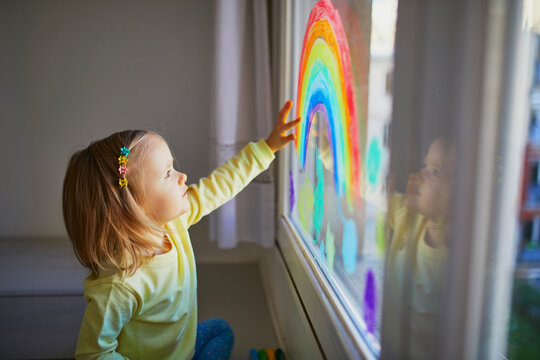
[[170, 164], [433, 163]]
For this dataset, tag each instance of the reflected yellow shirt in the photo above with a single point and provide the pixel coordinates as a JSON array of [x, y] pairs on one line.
[[153, 314], [416, 274]]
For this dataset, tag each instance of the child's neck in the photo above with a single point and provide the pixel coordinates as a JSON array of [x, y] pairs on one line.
[[435, 234], [166, 246]]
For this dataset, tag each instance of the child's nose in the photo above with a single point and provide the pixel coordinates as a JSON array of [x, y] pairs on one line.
[[418, 177], [182, 178]]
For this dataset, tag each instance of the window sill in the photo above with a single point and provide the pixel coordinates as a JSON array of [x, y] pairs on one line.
[[331, 323]]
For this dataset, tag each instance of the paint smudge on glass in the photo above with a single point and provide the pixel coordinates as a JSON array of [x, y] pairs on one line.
[[380, 233], [322, 247], [370, 302], [305, 206], [373, 162], [349, 246], [318, 215], [291, 192]]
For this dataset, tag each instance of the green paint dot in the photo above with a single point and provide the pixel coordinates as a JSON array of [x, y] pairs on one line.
[[305, 205], [373, 162], [379, 229], [318, 215]]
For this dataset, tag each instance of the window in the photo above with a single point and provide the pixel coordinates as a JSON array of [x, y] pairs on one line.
[[524, 316], [400, 194], [339, 166]]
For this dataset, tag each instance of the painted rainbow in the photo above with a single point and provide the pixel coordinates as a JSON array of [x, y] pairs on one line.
[[325, 85]]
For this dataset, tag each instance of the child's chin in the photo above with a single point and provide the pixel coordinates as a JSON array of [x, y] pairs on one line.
[[411, 201], [413, 204]]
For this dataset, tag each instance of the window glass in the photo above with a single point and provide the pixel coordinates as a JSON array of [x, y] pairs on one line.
[[524, 322], [343, 57]]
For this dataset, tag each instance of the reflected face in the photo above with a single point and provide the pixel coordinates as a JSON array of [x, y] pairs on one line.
[[429, 191], [165, 189]]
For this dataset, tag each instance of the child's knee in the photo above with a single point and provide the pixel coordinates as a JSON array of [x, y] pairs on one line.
[[220, 324], [224, 329]]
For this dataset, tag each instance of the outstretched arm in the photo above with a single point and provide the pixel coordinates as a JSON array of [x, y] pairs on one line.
[[230, 178]]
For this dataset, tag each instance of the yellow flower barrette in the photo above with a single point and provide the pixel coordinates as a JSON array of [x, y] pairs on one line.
[[122, 169]]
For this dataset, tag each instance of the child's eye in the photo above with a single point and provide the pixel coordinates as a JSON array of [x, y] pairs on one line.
[[436, 173], [168, 173]]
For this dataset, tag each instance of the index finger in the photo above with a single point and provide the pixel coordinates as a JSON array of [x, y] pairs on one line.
[[284, 112], [291, 124]]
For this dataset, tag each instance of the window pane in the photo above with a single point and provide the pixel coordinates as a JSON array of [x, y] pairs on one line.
[[342, 83], [524, 322], [510, 286]]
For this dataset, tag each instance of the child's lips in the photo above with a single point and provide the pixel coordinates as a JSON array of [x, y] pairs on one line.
[[412, 189]]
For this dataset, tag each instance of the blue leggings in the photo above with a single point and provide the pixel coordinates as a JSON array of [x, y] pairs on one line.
[[215, 340]]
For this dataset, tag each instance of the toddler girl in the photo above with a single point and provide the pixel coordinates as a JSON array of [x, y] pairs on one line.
[[419, 221], [127, 212]]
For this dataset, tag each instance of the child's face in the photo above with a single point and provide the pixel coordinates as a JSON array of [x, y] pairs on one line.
[[165, 189], [429, 191]]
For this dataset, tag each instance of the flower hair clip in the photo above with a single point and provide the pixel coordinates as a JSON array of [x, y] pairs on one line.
[[122, 169]]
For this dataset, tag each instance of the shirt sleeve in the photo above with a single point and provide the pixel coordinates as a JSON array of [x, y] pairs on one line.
[[110, 307], [228, 180]]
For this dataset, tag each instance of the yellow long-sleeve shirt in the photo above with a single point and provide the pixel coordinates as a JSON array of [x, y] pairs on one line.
[[153, 314], [414, 286]]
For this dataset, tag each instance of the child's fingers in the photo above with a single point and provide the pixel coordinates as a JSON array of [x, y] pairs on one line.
[[284, 112], [291, 124]]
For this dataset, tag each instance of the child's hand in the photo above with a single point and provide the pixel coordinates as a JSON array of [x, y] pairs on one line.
[[278, 137]]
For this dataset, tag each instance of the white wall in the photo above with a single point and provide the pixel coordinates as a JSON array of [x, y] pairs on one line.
[[72, 72]]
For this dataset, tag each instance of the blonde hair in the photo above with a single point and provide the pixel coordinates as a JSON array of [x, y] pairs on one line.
[[106, 223]]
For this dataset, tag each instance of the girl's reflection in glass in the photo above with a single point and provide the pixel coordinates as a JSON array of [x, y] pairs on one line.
[[418, 251]]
